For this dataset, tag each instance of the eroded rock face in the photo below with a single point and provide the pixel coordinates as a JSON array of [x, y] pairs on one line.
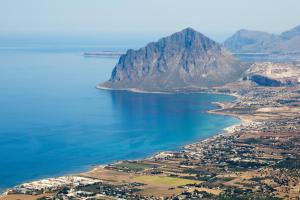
[[273, 74], [186, 59]]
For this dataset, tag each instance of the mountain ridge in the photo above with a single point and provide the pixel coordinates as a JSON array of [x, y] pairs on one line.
[[251, 41]]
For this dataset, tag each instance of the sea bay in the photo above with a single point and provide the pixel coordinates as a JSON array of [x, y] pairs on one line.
[[53, 121]]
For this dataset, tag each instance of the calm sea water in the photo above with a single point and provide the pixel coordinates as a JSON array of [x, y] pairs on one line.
[[54, 121]]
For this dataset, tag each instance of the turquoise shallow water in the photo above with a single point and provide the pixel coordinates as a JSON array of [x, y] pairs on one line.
[[54, 121]]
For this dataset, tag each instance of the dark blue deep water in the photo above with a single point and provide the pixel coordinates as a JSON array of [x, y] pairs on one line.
[[54, 121]]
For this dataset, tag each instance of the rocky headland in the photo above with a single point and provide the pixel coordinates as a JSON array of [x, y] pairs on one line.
[[184, 60]]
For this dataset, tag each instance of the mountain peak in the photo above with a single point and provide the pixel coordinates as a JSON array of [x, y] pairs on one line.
[[189, 33], [190, 39], [248, 41], [244, 40], [189, 30], [184, 59]]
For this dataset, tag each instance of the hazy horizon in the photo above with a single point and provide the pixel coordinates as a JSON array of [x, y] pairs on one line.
[[153, 19]]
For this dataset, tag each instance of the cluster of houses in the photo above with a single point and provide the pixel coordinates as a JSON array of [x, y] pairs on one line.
[[51, 185]]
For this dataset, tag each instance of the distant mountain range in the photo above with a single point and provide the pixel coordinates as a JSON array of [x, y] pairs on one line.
[[248, 41], [186, 59]]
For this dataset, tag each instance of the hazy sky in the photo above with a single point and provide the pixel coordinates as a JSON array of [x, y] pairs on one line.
[[214, 17]]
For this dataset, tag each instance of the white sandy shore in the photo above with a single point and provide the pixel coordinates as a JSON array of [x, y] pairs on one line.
[[135, 90]]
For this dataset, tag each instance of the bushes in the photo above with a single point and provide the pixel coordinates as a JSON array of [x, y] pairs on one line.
[[289, 163]]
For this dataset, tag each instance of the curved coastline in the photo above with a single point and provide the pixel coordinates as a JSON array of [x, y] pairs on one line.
[[218, 111]]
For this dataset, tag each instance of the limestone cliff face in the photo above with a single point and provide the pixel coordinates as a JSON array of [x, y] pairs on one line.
[[186, 59]]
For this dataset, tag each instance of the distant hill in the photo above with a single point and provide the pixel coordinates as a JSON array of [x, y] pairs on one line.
[[186, 59], [295, 32], [248, 41]]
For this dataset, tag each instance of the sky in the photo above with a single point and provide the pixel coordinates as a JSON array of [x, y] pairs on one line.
[[217, 18]]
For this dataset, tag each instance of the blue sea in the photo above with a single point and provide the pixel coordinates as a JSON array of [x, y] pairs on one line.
[[53, 121]]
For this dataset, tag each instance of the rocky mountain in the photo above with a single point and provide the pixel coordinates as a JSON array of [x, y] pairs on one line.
[[248, 41], [186, 59]]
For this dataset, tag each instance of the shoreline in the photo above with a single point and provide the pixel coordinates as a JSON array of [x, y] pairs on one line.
[[94, 167], [213, 90], [251, 157]]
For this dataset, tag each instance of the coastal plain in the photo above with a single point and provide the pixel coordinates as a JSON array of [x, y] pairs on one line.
[[259, 158], [256, 159]]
